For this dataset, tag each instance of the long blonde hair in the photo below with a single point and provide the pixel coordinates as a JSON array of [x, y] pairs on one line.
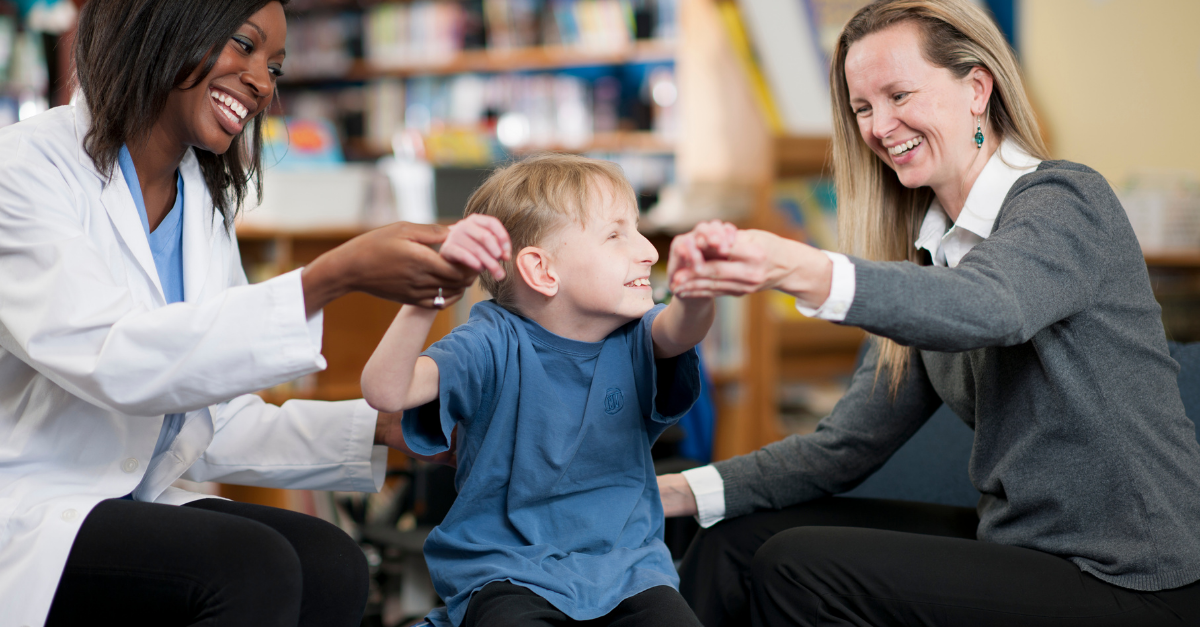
[[878, 218]]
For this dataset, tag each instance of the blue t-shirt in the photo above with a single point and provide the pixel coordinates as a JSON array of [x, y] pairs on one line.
[[166, 245], [556, 486]]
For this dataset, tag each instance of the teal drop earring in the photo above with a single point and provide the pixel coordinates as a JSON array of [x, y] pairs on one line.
[[978, 133]]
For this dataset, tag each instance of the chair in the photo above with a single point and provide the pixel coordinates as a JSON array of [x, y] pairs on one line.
[[932, 466]]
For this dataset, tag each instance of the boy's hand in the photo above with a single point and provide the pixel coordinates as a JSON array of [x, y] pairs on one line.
[[709, 240], [478, 242]]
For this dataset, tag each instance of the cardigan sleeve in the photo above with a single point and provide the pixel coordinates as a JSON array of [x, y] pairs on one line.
[[865, 428], [1043, 263]]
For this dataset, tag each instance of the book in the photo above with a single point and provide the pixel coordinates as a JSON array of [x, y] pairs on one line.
[[738, 40], [793, 65]]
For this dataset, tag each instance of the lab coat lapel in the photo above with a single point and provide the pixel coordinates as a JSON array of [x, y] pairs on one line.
[[118, 201], [200, 222]]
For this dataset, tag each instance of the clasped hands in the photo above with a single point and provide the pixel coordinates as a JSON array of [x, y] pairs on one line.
[[480, 242], [752, 262]]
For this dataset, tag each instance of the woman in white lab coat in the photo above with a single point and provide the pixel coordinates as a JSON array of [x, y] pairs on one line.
[[130, 341]]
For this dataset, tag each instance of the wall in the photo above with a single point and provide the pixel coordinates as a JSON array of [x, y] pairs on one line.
[[1117, 81]]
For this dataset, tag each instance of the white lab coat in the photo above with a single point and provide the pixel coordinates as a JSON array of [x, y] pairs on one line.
[[92, 357]]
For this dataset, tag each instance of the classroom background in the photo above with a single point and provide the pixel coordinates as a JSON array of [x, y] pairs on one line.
[[396, 110]]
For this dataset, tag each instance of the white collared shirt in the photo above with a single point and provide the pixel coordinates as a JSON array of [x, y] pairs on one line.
[[947, 244]]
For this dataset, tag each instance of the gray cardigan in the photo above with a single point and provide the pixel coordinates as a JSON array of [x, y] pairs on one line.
[[1047, 341]]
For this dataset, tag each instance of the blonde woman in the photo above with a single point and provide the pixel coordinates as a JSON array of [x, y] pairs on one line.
[[1005, 285]]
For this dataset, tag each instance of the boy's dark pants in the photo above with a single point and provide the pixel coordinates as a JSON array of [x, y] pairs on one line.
[[501, 604]]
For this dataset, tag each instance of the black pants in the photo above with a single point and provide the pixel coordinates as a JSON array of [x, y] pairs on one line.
[[210, 562], [503, 604], [845, 561]]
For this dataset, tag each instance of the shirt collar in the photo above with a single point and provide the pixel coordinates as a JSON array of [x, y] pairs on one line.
[[978, 216], [932, 228]]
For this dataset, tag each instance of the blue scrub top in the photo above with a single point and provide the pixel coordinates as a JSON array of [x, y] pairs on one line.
[[166, 244], [556, 486]]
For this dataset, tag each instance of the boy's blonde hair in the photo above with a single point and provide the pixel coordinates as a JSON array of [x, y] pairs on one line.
[[534, 197]]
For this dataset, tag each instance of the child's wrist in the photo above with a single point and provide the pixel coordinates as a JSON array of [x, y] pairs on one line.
[[696, 304], [421, 313]]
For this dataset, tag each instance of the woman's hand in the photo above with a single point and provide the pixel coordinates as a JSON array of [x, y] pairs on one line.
[[480, 243], [708, 240], [389, 433], [677, 497], [394, 262], [760, 261]]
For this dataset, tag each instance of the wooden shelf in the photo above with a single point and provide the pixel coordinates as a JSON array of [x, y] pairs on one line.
[[333, 392], [496, 61], [1174, 259], [250, 232], [619, 141], [643, 142], [797, 155]]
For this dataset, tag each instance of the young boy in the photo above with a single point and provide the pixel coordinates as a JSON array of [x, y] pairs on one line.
[[558, 387]]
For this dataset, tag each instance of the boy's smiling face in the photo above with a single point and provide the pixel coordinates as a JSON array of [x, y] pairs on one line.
[[604, 268]]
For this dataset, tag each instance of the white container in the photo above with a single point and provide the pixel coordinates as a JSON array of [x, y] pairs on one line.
[[306, 199], [1164, 210]]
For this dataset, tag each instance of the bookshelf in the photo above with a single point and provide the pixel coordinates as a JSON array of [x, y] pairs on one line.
[[35, 61], [578, 75], [526, 59]]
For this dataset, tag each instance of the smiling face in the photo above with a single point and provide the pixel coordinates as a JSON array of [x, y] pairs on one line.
[[604, 268], [919, 119], [214, 110]]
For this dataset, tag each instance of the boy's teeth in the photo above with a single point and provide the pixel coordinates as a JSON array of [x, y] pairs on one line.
[[640, 283]]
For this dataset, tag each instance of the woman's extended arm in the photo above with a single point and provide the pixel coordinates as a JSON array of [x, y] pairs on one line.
[[394, 262], [760, 261], [1058, 233], [858, 436]]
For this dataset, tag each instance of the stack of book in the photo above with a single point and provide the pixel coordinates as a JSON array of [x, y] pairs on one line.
[[422, 32], [322, 46], [429, 31]]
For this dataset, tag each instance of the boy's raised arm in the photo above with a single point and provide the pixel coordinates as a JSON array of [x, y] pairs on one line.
[[681, 326], [686, 320], [397, 377]]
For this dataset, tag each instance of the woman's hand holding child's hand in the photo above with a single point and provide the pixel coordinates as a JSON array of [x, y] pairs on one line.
[[480, 243], [689, 252]]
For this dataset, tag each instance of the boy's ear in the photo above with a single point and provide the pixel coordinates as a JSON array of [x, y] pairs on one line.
[[533, 264]]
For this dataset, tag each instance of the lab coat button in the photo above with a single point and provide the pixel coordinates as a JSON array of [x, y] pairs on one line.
[[70, 515], [129, 465]]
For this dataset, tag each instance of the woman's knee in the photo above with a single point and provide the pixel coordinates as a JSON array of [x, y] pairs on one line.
[[334, 569], [330, 563], [335, 559], [789, 557], [257, 557]]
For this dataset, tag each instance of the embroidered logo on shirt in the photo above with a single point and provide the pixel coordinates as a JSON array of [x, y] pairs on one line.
[[613, 400]]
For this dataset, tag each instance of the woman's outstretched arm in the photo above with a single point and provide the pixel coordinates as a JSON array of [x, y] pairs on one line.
[[395, 262], [758, 261]]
